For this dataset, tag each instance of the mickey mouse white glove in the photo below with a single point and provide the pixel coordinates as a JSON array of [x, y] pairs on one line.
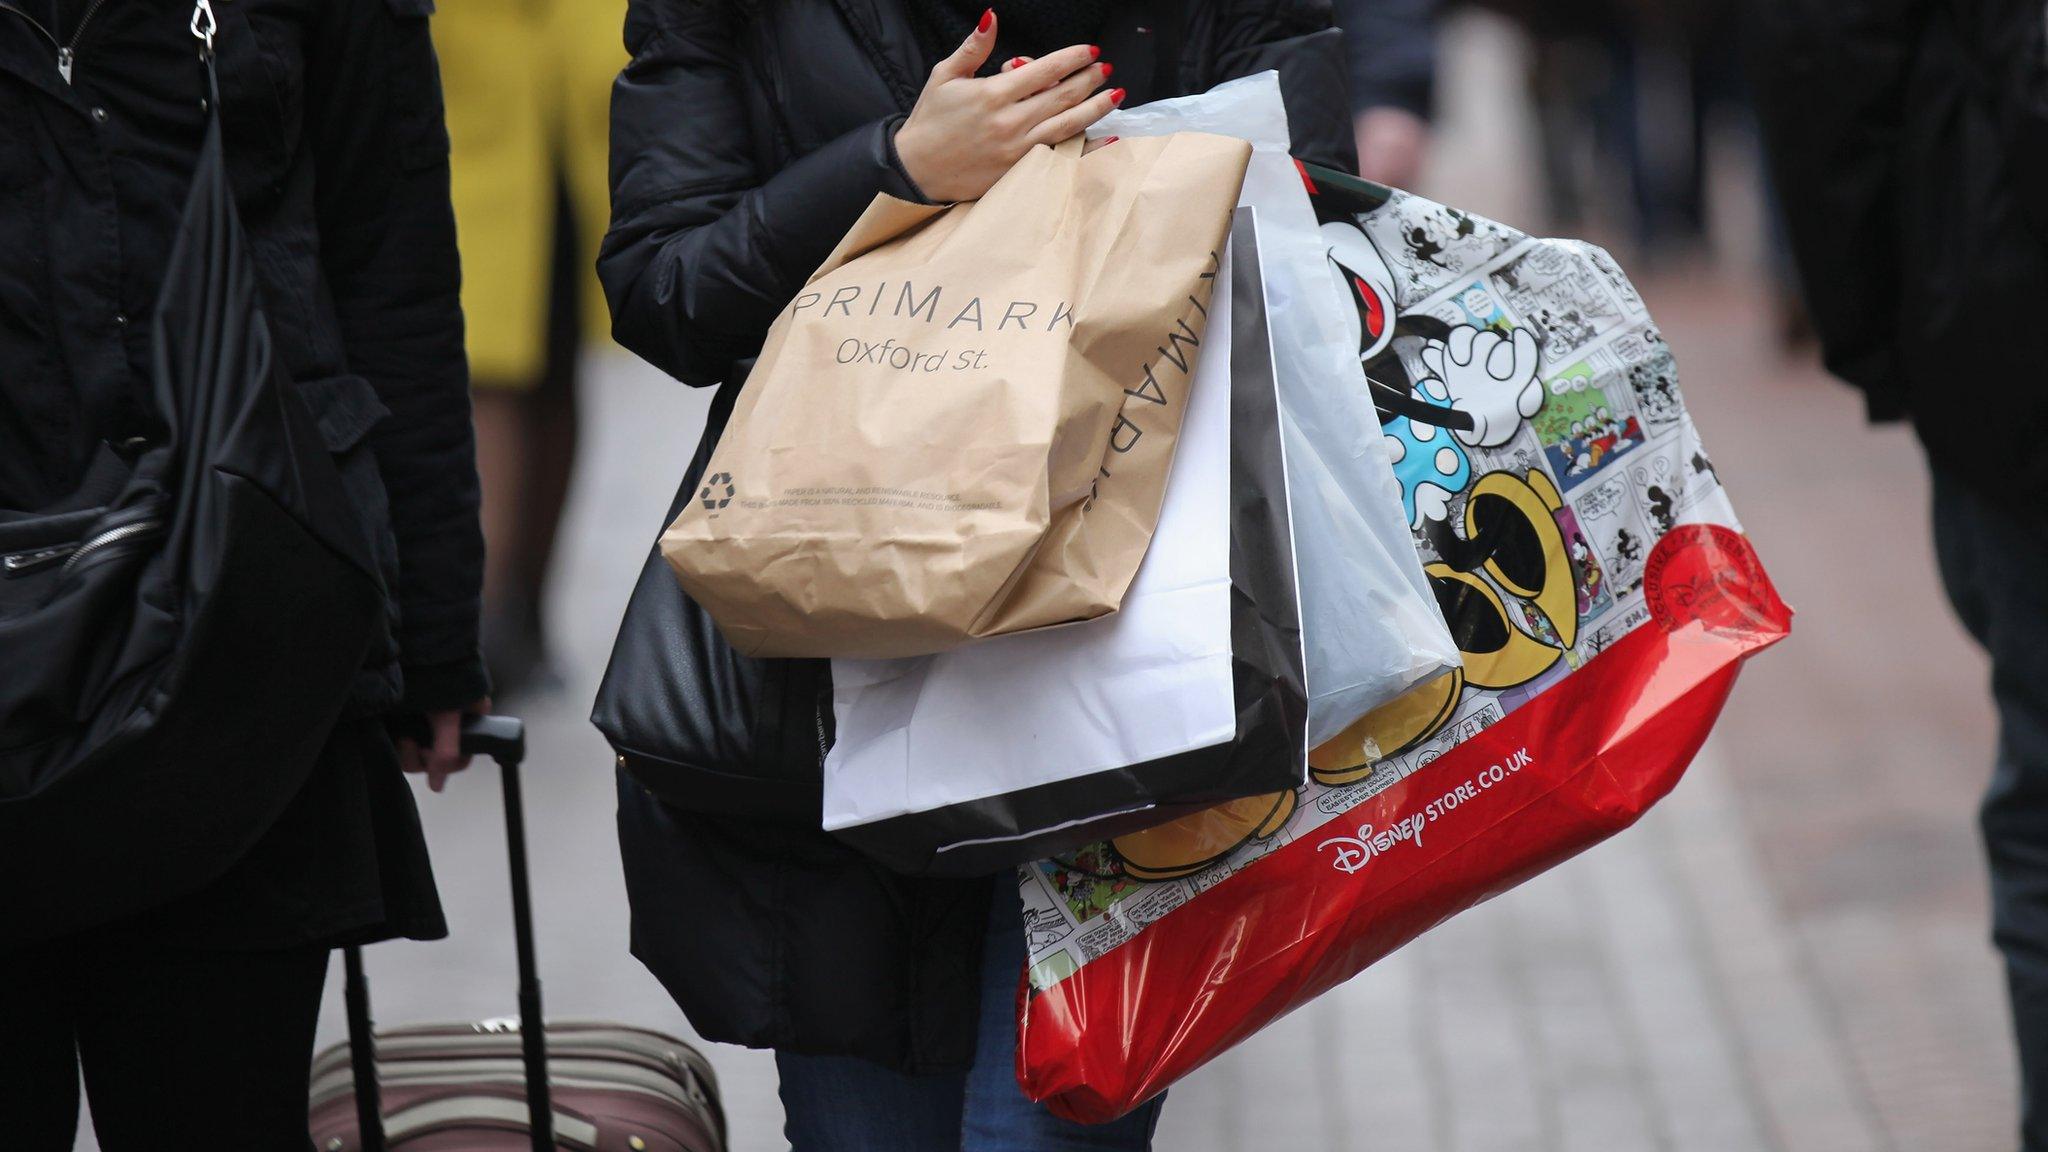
[[1490, 377]]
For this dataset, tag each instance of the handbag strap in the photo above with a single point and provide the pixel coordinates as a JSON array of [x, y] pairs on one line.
[[203, 27]]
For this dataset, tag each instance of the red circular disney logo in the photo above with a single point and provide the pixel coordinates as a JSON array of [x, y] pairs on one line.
[[1709, 573]]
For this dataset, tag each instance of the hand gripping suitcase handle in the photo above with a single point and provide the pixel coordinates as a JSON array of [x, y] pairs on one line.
[[503, 739]]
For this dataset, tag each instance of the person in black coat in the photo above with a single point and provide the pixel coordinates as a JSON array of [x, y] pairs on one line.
[[194, 1019], [746, 139], [1909, 142]]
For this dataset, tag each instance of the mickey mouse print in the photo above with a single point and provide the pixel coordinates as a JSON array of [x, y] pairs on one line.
[[1586, 559]]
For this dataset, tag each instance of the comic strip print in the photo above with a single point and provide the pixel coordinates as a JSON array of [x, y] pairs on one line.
[[1679, 484], [1587, 423], [1557, 291], [1532, 413], [1612, 276], [1612, 523], [1653, 382], [1589, 570], [1428, 246]]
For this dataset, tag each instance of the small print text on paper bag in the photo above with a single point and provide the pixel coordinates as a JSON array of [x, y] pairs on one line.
[[961, 426]]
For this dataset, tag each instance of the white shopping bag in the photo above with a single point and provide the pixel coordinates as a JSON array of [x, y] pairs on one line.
[[1001, 751], [1372, 629]]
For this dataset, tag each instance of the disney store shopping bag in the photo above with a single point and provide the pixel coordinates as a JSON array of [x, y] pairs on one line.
[[962, 424], [1600, 589], [1004, 750]]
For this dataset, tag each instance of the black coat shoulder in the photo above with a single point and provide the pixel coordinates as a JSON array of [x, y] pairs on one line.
[[1908, 141]]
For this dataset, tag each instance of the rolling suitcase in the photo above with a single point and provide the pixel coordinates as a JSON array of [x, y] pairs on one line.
[[510, 1083]]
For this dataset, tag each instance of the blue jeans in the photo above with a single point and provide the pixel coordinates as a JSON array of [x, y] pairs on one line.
[[1993, 563], [845, 1104]]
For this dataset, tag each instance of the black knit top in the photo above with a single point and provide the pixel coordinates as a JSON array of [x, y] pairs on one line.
[[1027, 27]]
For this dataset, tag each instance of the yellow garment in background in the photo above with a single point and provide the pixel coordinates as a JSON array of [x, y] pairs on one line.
[[528, 86]]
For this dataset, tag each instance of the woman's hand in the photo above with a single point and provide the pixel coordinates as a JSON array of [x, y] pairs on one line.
[[966, 131], [440, 756], [1094, 142]]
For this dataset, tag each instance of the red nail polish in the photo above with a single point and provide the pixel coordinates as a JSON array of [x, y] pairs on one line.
[[1108, 140], [1095, 51], [1117, 97], [1108, 70], [1015, 62], [988, 17]]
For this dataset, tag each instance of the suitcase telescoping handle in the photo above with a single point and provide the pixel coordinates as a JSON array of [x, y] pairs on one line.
[[503, 739]]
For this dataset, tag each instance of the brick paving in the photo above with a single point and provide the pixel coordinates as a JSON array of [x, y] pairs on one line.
[[1859, 749]]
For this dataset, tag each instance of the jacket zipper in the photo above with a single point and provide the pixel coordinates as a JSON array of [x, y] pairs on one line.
[[72, 555], [67, 51], [35, 559], [106, 539]]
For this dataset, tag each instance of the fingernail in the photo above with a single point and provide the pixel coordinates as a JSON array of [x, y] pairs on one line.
[[1015, 62], [1108, 70], [988, 17], [1108, 140], [1117, 97], [1095, 51]]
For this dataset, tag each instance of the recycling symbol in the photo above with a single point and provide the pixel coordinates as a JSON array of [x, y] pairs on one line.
[[712, 499]]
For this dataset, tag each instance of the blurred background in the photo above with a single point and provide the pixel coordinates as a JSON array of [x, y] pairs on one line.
[[1791, 953]]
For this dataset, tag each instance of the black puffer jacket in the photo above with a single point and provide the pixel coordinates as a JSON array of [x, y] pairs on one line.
[[746, 139], [1909, 142]]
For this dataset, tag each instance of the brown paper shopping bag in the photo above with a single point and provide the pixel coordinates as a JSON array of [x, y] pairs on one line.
[[962, 424]]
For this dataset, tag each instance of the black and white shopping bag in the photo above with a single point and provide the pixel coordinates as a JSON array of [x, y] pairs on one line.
[[1016, 747]]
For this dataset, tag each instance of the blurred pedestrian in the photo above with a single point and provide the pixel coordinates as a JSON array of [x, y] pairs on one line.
[[528, 87], [193, 1021], [1582, 93], [746, 139], [1909, 141], [1390, 51], [1635, 88]]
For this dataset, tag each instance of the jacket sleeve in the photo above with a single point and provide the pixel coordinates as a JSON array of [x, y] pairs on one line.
[[1295, 38], [387, 251], [1390, 48], [1830, 79], [706, 246]]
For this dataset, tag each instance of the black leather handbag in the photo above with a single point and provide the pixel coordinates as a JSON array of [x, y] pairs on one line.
[[696, 723], [183, 631]]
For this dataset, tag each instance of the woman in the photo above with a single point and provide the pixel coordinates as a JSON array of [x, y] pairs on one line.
[[194, 1019], [528, 86], [746, 139]]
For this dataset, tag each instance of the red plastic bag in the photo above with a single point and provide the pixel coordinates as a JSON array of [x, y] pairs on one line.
[[1603, 598]]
